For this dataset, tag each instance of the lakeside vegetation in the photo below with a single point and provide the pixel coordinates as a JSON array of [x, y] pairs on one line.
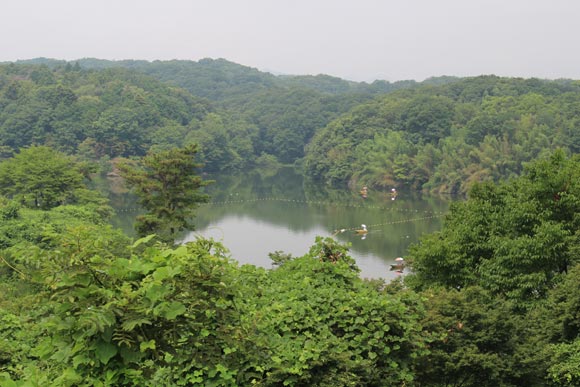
[[493, 299], [445, 138]]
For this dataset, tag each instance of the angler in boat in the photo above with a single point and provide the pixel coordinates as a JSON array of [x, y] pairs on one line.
[[364, 192], [362, 230], [399, 264]]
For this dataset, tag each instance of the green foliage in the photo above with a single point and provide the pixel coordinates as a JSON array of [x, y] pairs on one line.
[[555, 324], [9, 209], [565, 368], [281, 112], [475, 338], [40, 177], [80, 307], [279, 257], [448, 137], [287, 119], [168, 188], [18, 335], [113, 109], [190, 316], [222, 80], [224, 144], [35, 247], [320, 325], [515, 240], [112, 112], [267, 162], [160, 317]]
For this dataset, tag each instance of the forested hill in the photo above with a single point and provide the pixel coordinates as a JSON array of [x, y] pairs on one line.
[[259, 114], [439, 135], [222, 80], [112, 112], [443, 138], [115, 111]]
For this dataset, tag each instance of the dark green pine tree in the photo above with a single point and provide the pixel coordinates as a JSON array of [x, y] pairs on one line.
[[168, 187]]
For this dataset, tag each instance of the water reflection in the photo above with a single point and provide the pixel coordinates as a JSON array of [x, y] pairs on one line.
[[260, 213]]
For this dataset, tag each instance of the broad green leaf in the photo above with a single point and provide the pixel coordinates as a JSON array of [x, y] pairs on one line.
[[105, 351], [140, 241], [147, 345], [129, 325], [174, 309]]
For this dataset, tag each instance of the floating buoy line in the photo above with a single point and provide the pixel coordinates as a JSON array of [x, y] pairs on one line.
[[306, 202], [428, 214], [340, 231], [324, 203]]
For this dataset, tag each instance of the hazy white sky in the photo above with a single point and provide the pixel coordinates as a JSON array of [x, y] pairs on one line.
[[353, 39]]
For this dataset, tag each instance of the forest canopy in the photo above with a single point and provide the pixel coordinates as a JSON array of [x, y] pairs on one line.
[[440, 135], [445, 138]]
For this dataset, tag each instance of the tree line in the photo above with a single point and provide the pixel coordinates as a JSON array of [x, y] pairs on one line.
[[445, 138], [440, 135]]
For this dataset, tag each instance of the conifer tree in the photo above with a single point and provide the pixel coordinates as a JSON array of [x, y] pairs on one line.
[[169, 189]]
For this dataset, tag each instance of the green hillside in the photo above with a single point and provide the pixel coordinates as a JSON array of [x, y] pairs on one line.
[[443, 138]]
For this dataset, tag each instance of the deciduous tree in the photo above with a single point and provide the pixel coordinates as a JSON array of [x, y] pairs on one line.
[[40, 177], [515, 239]]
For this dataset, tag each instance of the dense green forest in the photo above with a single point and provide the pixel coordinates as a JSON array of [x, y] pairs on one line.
[[444, 138], [440, 135], [111, 113], [493, 300], [223, 81], [119, 112], [266, 114]]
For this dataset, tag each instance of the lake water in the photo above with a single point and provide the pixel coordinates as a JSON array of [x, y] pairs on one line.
[[257, 214]]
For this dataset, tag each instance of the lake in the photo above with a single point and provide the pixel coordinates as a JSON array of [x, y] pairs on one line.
[[259, 213]]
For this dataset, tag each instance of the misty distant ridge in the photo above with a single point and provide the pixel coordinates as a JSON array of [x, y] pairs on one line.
[[221, 80], [95, 63]]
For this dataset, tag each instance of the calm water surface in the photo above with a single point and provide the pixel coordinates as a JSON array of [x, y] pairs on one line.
[[254, 215]]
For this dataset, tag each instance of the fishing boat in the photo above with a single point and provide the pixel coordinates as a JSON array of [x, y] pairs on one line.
[[399, 264], [362, 230]]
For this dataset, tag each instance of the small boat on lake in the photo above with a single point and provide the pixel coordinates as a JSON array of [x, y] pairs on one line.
[[399, 264], [362, 230], [364, 192]]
